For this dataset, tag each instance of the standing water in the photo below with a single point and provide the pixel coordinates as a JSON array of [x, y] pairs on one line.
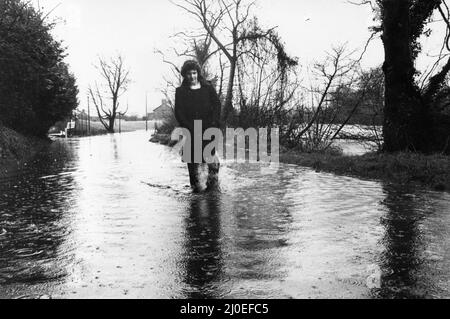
[[112, 217]]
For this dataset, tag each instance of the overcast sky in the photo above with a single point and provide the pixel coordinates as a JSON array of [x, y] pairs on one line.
[[135, 28]]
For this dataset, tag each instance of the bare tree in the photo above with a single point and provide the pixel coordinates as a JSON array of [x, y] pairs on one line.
[[316, 124], [115, 78], [196, 49], [366, 124], [225, 22], [266, 84]]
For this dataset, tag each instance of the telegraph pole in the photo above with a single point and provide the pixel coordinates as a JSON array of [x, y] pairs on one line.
[[83, 114], [89, 116], [81, 123], [146, 112]]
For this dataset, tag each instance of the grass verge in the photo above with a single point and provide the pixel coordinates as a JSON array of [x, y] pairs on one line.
[[431, 171], [16, 148]]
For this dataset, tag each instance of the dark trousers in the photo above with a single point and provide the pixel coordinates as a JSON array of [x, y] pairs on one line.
[[213, 174]]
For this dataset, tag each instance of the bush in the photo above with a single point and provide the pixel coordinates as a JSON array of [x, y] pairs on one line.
[[36, 87], [168, 125]]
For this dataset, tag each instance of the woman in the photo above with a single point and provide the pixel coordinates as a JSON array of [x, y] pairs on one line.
[[197, 99]]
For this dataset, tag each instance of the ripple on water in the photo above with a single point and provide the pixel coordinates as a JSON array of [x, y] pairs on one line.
[[103, 215]]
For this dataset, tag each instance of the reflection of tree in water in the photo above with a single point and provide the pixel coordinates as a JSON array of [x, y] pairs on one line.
[[33, 220], [203, 252], [115, 147], [401, 260]]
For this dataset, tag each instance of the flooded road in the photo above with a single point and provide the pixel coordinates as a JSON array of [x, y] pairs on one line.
[[113, 217]]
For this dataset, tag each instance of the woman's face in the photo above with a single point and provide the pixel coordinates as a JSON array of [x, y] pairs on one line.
[[192, 76]]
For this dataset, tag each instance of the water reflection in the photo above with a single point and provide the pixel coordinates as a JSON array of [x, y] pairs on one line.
[[404, 262], [109, 216], [236, 241], [33, 240], [115, 149], [203, 257]]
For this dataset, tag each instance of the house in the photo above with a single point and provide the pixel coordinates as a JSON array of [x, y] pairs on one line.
[[161, 112]]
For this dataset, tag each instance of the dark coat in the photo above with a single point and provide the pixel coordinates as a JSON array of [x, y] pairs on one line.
[[202, 104]]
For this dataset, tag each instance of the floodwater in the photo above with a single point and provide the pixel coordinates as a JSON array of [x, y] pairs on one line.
[[112, 217]]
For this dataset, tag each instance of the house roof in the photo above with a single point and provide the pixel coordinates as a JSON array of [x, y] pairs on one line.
[[162, 108]]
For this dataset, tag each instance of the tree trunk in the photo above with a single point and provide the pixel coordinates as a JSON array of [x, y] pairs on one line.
[[228, 109], [111, 124], [406, 124]]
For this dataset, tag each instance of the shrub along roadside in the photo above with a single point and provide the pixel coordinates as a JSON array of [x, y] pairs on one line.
[[16, 148], [36, 86]]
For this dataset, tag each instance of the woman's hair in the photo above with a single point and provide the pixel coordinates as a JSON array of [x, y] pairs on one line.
[[192, 65]]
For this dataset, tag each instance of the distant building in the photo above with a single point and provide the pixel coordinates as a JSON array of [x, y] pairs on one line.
[[161, 112]]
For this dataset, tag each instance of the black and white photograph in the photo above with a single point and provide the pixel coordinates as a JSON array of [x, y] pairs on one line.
[[207, 150]]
